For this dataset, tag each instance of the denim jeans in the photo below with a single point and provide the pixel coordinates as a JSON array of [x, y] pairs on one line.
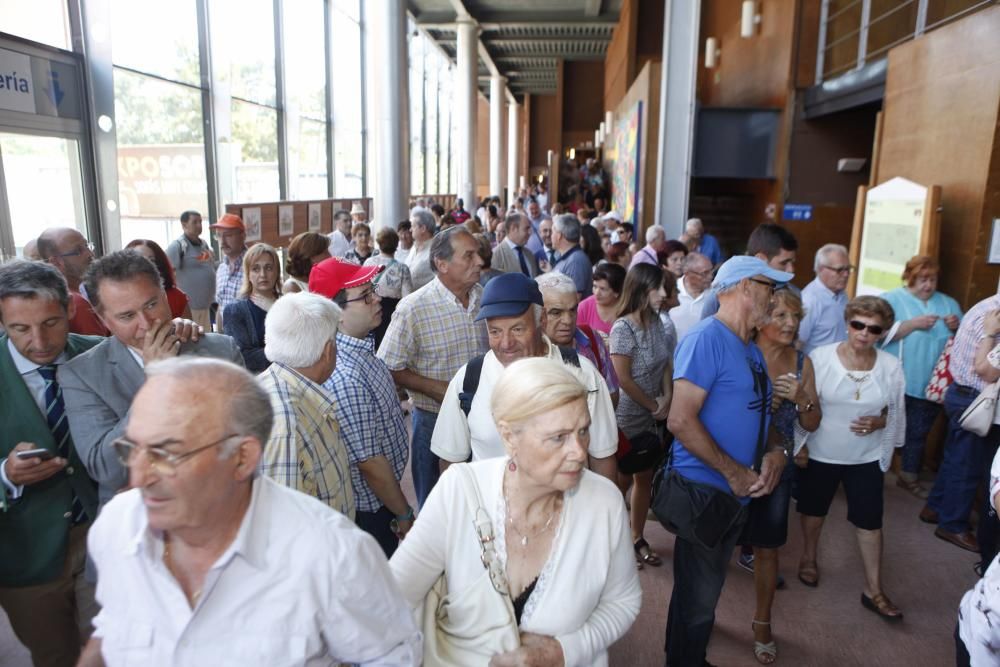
[[424, 464], [963, 466], [378, 525], [920, 416], [699, 574]]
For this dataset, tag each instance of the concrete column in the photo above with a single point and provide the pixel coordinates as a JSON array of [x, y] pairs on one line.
[[497, 84], [513, 144], [466, 90], [388, 114], [681, 21]]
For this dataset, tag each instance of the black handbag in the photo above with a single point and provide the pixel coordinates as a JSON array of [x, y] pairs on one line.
[[696, 512], [645, 453]]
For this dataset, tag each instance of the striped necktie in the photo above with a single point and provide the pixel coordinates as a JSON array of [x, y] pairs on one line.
[[55, 415]]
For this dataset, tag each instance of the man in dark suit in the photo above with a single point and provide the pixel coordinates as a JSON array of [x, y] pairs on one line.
[[511, 255], [128, 296], [47, 502]]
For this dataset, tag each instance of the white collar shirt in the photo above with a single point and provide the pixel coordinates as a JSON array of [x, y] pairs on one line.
[[300, 585], [456, 436], [688, 313]]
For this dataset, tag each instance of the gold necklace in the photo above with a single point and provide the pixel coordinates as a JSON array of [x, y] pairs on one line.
[[525, 536], [166, 561], [858, 381]]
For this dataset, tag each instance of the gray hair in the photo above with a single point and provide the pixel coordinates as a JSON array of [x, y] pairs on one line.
[[692, 223], [443, 245], [33, 280], [121, 266], [567, 225], [423, 217], [826, 250], [512, 220], [655, 233], [249, 408], [693, 258], [556, 282], [297, 328]]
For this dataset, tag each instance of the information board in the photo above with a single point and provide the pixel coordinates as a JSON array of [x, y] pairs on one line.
[[892, 234]]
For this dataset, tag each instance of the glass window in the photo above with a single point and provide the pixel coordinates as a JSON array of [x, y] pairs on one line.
[[416, 53], [42, 169], [347, 163], [307, 159], [254, 152], [349, 8], [347, 92], [431, 122], [248, 42], [45, 21], [170, 51], [161, 155], [305, 71]]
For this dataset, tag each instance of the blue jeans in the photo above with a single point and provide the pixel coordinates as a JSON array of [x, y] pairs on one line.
[[699, 575], [424, 464], [920, 416], [963, 466]]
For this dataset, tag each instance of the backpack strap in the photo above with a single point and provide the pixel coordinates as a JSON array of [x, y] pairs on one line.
[[470, 384], [570, 356]]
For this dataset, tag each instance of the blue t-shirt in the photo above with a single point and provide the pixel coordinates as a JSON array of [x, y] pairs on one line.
[[576, 265], [734, 376]]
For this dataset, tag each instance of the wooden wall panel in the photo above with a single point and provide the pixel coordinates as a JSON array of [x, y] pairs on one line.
[[649, 33], [269, 217], [583, 111], [940, 128], [620, 59], [545, 130]]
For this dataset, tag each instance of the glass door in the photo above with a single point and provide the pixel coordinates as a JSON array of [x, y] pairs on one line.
[[41, 186]]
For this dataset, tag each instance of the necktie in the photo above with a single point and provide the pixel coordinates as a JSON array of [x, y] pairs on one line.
[[552, 257], [524, 263], [55, 415]]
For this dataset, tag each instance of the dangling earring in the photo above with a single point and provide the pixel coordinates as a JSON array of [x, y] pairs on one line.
[[512, 466]]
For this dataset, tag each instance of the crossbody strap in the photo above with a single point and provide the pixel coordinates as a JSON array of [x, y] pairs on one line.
[[483, 525]]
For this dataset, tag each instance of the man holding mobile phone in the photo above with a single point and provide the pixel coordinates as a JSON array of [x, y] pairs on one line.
[[47, 502]]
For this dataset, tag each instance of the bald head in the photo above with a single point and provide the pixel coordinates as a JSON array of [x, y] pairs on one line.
[[30, 250], [66, 249]]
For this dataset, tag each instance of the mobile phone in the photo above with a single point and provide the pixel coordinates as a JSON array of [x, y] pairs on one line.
[[43, 454]]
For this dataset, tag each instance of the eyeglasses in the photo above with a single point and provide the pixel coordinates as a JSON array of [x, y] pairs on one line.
[[861, 326], [160, 460], [80, 249], [838, 269], [368, 297], [771, 286]]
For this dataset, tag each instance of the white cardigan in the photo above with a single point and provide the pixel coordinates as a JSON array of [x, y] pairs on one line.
[[588, 593], [887, 375]]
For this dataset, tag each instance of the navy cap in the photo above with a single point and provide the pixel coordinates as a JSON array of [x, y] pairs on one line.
[[737, 268], [509, 295]]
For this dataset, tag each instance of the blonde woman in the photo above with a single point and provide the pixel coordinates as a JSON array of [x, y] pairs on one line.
[[244, 318], [551, 519]]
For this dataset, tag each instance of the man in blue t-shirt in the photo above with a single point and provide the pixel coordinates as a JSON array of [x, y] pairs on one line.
[[719, 418]]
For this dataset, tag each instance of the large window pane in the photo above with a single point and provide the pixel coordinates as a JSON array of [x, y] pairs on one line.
[[347, 92], [305, 71], [307, 159], [44, 186], [170, 50], [44, 21], [416, 56], [431, 122], [248, 42], [347, 163], [161, 155], [255, 152]]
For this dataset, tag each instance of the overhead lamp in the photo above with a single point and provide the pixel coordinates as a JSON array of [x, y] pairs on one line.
[[597, 137], [540, 178], [609, 119], [712, 52], [572, 154], [749, 18]]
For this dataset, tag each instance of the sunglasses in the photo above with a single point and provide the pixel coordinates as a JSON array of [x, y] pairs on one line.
[[861, 326]]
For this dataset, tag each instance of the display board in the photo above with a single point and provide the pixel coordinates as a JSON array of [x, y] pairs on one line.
[[276, 223], [895, 221], [625, 176]]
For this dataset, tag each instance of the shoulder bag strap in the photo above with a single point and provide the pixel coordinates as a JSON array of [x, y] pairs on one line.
[[483, 525], [470, 384]]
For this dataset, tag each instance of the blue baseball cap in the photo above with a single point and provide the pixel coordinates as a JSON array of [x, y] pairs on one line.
[[737, 268], [509, 295]]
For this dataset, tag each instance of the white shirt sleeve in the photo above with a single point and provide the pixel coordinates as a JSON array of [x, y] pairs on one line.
[[995, 480], [603, 424], [894, 433], [452, 439], [13, 491]]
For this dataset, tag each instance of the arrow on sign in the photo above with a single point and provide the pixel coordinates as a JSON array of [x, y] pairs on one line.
[[54, 91]]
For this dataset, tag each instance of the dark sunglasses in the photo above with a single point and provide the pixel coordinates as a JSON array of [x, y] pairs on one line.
[[861, 326]]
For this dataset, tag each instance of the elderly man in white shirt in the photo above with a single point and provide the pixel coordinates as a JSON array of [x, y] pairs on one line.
[[512, 306], [204, 562], [340, 237], [692, 290]]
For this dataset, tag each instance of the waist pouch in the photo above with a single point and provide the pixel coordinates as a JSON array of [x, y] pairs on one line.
[[695, 512]]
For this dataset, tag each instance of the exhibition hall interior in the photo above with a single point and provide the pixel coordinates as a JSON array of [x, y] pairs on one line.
[[370, 212]]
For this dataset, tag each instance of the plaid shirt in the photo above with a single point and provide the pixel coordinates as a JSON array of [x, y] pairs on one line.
[[305, 450], [433, 335], [963, 351], [367, 409], [228, 281]]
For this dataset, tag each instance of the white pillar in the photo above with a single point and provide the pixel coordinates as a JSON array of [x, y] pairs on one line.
[[496, 133], [388, 110], [466, 94], [513, 149]]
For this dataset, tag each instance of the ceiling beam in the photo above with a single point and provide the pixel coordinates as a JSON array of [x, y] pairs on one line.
[[592, 8]]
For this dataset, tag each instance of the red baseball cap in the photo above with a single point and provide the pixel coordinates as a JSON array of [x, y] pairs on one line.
[[229, 221], [332, 275]]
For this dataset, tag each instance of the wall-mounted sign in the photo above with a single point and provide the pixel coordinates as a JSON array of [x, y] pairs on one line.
[[894, 223], [17, 90], [797, 212], [35, 85]]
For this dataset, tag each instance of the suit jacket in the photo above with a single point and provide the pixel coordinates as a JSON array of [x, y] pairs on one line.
[[505, 259], [34, 530], [99, 386]]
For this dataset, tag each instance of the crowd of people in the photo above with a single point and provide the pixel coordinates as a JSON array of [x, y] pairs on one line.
[[205, 459]]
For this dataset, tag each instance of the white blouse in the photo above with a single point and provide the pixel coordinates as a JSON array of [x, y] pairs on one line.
[[979, 606], [587, 594], [846, 395]]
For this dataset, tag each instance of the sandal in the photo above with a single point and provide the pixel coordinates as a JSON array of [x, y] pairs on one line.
[[914, 487], [644, 554], [809, 573], [882, 605], [765, 652]]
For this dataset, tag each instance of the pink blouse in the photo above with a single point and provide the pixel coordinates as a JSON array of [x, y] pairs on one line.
[[587, 314]]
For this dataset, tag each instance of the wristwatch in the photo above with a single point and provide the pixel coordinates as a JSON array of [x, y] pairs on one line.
[[394, 524], [808, 407]]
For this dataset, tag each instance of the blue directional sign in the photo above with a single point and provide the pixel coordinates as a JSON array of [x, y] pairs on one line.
[[797, 212]]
